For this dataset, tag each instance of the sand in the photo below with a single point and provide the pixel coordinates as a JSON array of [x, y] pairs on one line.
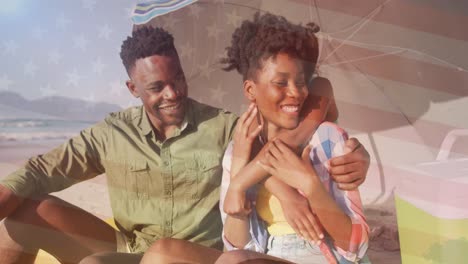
[[92, 196]]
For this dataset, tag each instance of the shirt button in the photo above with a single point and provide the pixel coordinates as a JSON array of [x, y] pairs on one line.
[[168, 223], [166, 163], [168, 192]]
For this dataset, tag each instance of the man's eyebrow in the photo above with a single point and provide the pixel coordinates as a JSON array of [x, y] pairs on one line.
[[154, 84]]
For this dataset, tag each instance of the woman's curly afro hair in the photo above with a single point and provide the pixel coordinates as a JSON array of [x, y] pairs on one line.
[[267, 35]]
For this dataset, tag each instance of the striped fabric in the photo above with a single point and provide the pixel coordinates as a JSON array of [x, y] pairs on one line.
[[327, 142], [147, 10]]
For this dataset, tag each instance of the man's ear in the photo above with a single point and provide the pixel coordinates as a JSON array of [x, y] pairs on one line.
[[132, 88], [249, 90]]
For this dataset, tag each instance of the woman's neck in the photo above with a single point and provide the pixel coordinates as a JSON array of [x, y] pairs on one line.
[[272, 131]]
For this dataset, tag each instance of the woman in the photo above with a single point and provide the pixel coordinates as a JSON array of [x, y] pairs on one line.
[[277, 59], [272, 54]]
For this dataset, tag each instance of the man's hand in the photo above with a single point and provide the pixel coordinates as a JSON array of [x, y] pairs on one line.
[[350, 170], [235, 203], [299, 215], [8, 202]]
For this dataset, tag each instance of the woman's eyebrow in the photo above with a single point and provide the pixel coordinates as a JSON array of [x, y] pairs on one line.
[[286, 74], [283, 74]]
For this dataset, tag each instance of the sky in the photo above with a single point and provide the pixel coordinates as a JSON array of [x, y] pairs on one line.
[[66, 48]]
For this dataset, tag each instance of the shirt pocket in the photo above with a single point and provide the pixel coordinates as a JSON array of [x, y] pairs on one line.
[[209, 174], [191, 179], [202, 175], [137, 180]]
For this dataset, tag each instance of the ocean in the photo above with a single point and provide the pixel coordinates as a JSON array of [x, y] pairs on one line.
[[15, 130]]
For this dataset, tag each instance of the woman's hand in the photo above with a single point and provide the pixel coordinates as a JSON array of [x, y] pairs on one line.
[[283, 163], [300, 217], [243, 140]]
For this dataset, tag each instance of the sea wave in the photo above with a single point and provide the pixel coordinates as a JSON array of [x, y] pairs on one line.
[[23, 123], [36, 136]]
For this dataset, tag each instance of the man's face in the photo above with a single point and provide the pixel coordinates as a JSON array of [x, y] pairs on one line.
[[160, 83]]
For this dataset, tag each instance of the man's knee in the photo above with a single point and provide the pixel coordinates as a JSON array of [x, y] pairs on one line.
[[244, 257], [21, 224], [30, 209], [98, 258], [112, 258], [164, 245], [163, 251], [231, 257]]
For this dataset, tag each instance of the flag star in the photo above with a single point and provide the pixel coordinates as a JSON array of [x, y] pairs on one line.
[[10, 47], [80, 42], [5, 83], [88, 4], [218, 94], [105, 31], [62, 22], [98, 66], [233, 18], [205, 69], [195, 10], [30, 69], [38, 33], [116, 88], [213, 30], [47, 90], [186, 50], [73, 78], [54, 57], [170, 21]]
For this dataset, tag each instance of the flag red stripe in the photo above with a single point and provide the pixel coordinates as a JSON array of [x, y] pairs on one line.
[[397, 68], [393, 125], [420, 17], [438, 191]]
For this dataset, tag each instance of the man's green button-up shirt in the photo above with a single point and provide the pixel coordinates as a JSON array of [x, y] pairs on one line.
[[157, 188]]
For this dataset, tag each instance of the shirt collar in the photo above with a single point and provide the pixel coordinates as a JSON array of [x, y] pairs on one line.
[[146, 128], [144, 123]]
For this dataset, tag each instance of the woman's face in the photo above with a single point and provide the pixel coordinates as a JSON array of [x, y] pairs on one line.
[[279, 92]]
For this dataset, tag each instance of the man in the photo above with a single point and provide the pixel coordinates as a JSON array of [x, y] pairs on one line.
[[162, 161]]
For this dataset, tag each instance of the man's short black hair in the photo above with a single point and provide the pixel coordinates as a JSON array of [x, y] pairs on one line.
[[145, 42], [267, 35]]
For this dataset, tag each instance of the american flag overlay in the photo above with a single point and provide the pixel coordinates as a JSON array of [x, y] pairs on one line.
[[399, 70]]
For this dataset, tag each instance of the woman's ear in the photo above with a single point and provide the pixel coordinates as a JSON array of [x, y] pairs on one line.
[[249, 90]]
